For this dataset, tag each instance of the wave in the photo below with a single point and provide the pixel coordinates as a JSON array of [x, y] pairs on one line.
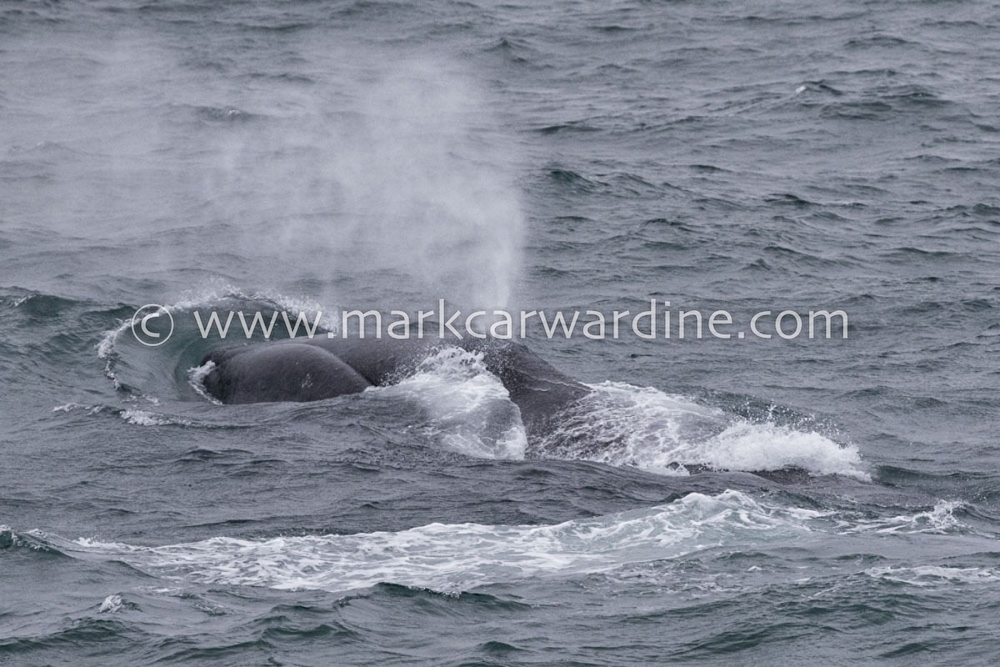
[[940, 519], [222, 295], [643, 427], [925, 576], [451, 558], [144, 365], [456, 557]]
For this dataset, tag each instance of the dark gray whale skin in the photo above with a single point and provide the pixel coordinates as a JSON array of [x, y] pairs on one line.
[[319, 368]]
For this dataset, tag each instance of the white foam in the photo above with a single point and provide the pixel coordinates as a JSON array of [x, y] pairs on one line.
[[214, 291], [767, 446], [196, 378], [70, 407], [470, 410], [217, 291], [145, 418], [940, 519], [455, 557], [107, 344], [106, 350], [935, 575], [624, 425], [111, 604]]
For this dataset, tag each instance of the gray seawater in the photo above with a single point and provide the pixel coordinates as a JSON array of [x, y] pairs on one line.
[[309, 156]]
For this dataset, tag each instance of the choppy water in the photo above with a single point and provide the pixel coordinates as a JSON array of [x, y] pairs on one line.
[[305, 156]]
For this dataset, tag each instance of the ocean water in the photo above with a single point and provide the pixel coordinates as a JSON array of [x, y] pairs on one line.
[[843, 500]]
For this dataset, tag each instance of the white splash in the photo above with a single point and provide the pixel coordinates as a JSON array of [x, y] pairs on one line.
[[643, 427], [456, 557], [196, 378], [468, 408], [111, 604], [925, 576], [145, 418], [940, 519]]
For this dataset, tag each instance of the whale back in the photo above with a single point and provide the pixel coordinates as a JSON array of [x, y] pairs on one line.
[[310, 370], [273, 373]]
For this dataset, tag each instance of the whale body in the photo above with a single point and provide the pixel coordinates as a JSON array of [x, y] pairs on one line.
[[320, 368]]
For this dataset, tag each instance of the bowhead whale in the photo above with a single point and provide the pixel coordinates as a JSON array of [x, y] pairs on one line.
[[319, 368]]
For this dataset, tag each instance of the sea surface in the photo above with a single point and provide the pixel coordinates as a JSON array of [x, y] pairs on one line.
[[843, 501]]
